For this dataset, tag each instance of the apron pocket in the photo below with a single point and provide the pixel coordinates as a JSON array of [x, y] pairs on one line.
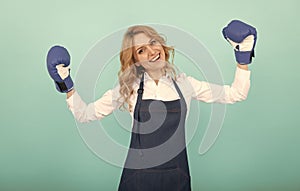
[[157, 180]]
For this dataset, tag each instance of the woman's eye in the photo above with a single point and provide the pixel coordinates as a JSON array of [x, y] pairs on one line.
[[140, 51], [153, 42]]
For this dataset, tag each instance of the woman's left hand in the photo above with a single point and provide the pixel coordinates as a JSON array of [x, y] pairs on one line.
[[243, 39]]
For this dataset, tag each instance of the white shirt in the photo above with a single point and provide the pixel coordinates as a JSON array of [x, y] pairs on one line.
[[165, 91]]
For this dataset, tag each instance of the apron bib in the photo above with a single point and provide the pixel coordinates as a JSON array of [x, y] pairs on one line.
[[155, 123]]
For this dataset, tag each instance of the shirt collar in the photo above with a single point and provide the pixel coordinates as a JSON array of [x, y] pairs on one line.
[[167, 78], [164, 78]]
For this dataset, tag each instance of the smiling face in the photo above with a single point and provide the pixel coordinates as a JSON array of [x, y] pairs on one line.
[[149, 53]]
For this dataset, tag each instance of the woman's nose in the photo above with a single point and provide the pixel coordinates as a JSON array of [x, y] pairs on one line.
[[151, 51]]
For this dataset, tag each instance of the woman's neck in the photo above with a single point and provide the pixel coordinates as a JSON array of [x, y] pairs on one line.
[[156, 75]]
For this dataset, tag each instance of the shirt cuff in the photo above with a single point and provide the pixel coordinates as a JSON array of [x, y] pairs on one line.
[[241, 74], [242, 81], [70, 99], [74, 97]]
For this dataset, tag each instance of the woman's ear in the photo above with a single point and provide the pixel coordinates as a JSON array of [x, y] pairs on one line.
[[136, 63]]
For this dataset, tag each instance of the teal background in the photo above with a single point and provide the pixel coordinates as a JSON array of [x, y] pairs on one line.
[[40, 147]]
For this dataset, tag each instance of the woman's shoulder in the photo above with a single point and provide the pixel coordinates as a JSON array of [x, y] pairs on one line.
[[181, 77], [187, 81]]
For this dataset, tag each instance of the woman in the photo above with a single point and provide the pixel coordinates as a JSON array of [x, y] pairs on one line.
[[158, 100]]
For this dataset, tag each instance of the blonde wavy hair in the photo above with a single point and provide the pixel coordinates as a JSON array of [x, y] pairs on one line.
[[129, 72]]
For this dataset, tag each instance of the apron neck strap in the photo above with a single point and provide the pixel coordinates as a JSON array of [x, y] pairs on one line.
[[140, 91]]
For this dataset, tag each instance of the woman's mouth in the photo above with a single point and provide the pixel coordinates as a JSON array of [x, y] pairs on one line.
[[157, 57]]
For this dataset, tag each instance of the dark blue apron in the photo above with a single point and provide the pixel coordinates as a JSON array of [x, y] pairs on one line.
[[140, 172]]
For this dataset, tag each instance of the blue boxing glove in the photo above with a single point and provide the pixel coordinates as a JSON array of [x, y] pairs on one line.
[[58, 61], [243, 39]]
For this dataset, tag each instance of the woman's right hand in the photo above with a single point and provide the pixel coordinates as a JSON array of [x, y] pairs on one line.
[[58, 61], [70, 93]]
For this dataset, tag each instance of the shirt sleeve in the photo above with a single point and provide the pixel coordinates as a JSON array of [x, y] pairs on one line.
[[208, 92], [93, 111]]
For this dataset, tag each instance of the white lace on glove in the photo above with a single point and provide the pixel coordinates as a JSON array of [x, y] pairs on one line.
[[62, 71], [245, 45]]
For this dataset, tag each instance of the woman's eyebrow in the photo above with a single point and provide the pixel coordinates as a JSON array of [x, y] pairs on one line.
[[139, 48], [144, 44]]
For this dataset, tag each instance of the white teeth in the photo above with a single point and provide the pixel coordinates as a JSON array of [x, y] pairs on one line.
[[155, 58]]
